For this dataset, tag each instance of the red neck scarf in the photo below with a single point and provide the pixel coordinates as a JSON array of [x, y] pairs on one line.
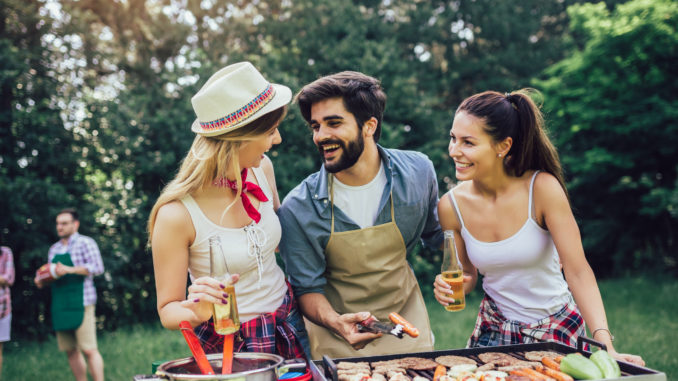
[[247, 186]]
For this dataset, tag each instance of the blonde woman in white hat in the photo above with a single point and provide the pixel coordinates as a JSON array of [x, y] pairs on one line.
[[226, 188]]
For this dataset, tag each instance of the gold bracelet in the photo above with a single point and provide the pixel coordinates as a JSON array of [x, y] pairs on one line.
[[593, 334]]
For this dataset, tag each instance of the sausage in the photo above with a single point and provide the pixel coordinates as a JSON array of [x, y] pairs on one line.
[[522, 373], [558, 375], [536, 375], [408, 328], [550, 363], [440, 371]]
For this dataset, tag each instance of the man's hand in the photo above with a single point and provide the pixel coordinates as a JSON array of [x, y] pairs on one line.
[[37, 282], [62, 269], [346, 326]]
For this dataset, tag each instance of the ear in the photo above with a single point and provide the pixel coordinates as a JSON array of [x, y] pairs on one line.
[[369, 127], [504, 146], [77, 225]]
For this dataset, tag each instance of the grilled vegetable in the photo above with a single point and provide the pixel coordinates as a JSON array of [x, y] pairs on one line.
[[606, 363], [580, 367]]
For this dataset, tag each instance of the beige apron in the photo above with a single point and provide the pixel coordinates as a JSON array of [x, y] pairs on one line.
[[367, 270]]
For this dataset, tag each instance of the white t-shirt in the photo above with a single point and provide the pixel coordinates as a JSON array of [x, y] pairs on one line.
[[361, 203]]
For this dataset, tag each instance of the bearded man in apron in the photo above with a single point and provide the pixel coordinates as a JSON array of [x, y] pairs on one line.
[[348, 228]]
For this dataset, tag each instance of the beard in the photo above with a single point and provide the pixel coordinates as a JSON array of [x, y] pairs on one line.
[[349, 156]]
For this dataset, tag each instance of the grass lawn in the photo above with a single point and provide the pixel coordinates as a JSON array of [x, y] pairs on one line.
[[641, 311]]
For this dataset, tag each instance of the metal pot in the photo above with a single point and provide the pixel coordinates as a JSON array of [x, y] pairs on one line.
[[247, 366]]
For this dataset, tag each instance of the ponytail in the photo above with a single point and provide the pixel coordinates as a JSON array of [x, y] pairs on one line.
[[516, 115]]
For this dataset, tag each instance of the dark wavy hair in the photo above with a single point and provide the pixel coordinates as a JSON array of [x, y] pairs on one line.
[[516, 115], [363, 96]]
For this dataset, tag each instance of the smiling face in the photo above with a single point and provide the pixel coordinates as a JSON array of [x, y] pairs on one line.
[[252, 151], [336, 134], [473, 151]]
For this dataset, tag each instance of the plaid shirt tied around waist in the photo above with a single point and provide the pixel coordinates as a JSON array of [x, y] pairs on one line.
[[493, 328], [271, 332]]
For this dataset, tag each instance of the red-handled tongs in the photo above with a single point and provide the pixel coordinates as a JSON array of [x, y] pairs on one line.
[[196, 348], [397, 327]]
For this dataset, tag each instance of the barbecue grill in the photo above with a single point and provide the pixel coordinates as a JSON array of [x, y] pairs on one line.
[[629, 372]]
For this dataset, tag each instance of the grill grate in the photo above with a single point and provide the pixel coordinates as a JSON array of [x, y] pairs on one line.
[[629, 372]]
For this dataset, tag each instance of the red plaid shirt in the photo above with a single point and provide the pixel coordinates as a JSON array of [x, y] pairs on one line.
[[269, 332], [564, 327], [7, 272]]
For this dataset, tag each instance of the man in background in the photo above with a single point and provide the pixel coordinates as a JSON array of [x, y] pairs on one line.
[[77, 260]]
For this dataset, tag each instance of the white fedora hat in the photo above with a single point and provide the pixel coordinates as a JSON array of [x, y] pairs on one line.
[[234, 96]]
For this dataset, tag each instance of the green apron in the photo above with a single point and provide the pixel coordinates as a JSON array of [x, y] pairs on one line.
[[67, 298]]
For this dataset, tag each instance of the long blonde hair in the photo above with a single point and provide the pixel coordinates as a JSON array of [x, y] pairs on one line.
[[211, 158]]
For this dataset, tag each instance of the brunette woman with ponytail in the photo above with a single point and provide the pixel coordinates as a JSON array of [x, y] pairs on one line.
[[512, 222]]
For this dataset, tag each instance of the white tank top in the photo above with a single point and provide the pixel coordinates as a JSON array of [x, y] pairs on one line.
[[261, 287], [521, 273]]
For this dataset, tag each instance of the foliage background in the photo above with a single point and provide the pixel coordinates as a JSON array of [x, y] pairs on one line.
[[95, 109]]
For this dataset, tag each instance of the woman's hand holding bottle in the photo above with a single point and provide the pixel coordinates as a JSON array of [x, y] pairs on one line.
[[204, 292]]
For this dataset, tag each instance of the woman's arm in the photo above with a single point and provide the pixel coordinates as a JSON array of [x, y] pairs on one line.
[[552, 205], [173, 233], [449, 221], [267, 166]]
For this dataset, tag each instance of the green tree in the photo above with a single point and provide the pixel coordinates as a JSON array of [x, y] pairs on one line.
[[41, 170], [96, 104], [613, 111]]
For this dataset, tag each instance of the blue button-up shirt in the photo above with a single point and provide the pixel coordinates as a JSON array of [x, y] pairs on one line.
[[305, 216]]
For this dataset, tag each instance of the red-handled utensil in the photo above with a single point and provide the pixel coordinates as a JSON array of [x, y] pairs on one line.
[[227, 359], [196, 348]]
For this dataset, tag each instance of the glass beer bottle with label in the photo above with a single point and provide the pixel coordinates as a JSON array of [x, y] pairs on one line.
[[225, 316], [453, 273]]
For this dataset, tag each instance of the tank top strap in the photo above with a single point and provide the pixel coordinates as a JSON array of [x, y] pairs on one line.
[[263, 181], [456, 207], [192, 207], [530, 202], [198, 218]]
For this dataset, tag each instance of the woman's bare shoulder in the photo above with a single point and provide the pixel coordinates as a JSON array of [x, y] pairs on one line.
[[174, 213], [547, 186]]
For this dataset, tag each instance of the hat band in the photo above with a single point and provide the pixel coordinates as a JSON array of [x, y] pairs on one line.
[[242, 113]]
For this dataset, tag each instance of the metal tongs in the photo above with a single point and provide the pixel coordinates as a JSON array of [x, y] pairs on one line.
[[398, 326]]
